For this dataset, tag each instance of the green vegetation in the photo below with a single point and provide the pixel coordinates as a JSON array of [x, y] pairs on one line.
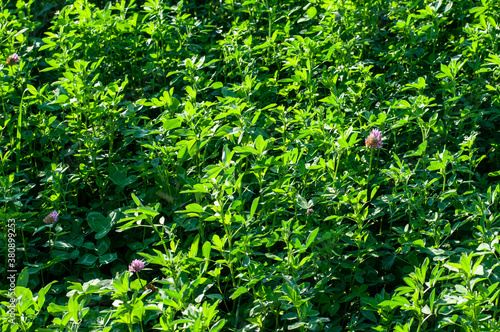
[[222, 143]]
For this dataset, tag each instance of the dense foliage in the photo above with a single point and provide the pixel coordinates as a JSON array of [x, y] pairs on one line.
[[223, 144]]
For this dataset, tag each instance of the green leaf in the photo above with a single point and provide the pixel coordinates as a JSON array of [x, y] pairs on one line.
[[255, 204], [311, 237], [102, 246], [238, 292], [426, 310], [448, 6], [122, 284], [216, 85], [217, 241], [304, 260], [218, 326], [136, 200], [431, 300], [446, 72], [421, 83], [173, 294], [311, 12], [435, 165], [207, 247], [395, 302], [56, 309], [353, 139], [32, 89], [194, 246], [419, 243], [119, 177], [23, 278], [212, 171], [196, 208], [191, 92], [420, 150], [87, 260], [296, 325], [41, 294], [74, 306], [172, 124], [247, 149], [302, 202], [343, 143], [369, 315], [148, 211], [272, 256], [98, 222], [260, 144], [494, 59], [403, 104], [478, 269], [107, 258], [159, 258]]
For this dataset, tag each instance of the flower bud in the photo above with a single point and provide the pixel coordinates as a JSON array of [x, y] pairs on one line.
[[13, 59]]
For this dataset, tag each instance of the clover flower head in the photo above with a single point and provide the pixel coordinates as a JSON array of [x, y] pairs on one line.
[[136, 266], [51, 218], [309, 212], [374, 140], [13, 59]]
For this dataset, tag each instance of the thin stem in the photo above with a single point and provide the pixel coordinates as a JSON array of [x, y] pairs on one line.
[[444, 181], [50, 244], [24, 246], [18, 134], [150, 221], [140, 281], [337, 165], [368, 177]]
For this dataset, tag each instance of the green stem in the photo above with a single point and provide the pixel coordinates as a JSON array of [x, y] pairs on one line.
[[368, 177], [18, 134], [336, 166], [50, 244], [444, 181], [25, 246], [150, 221], [137, 274]]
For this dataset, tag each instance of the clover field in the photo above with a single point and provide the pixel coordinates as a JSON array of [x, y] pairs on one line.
[[215, 165]]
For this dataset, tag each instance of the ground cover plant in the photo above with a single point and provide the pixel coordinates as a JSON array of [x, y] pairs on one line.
[[250, 165]]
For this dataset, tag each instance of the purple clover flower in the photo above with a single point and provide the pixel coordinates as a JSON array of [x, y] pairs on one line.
[[13, 59], [136, 265], [374, 140], [51, 218]]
